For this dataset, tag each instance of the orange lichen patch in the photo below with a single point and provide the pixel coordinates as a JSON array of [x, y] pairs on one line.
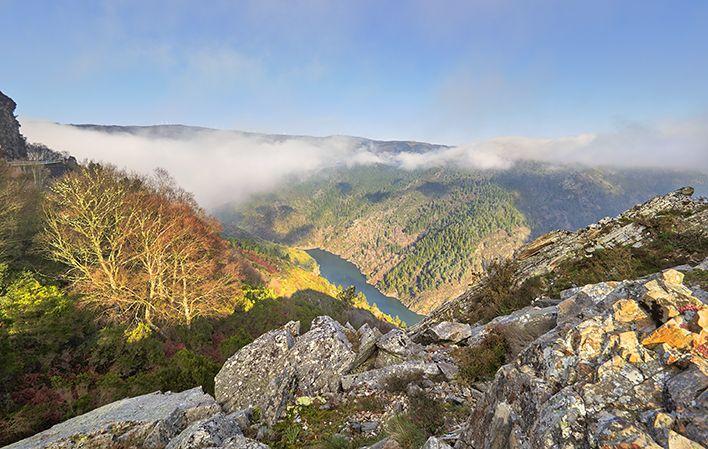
[[671, 333]]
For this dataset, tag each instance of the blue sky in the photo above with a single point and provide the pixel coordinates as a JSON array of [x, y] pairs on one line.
[[443, 71]]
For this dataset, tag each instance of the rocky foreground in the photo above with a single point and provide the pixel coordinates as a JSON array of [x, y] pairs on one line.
[[611, 365]]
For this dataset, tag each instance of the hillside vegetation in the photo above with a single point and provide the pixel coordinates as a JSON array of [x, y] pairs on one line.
[[113, 285], [424, 235]]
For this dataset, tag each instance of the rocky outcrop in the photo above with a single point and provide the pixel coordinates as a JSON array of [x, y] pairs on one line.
[[610, 365], [268, 373], [12, 143], [624, 367], [149, 421]]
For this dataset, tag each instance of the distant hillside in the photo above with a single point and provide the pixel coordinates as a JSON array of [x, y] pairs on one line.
[[421, 235], [424, 235], [179, 132]]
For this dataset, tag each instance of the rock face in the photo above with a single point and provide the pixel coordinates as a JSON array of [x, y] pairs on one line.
[[269, 372], [150, 421], [12, 143], [625, 367]]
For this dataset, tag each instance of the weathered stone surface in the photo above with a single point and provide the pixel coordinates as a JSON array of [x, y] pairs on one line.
[[248, 378], [320, 357], [12, 143], [149, 421], [601, 377], [268, 372], [395, 347], [378, 378], [678, 441], [448, 331], [519, 328], [367, 345], [208, 432], [435, 443]]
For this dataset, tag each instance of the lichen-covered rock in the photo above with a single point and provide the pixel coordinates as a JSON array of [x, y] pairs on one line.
[[249, 377], [148, 421], [378, 378], [395, 347], [208, 432], [367, 345], [268, 373], [320, 357], [448, 331], [602, 377]]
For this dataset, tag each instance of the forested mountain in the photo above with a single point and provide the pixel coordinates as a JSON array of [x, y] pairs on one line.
[[424, 235]]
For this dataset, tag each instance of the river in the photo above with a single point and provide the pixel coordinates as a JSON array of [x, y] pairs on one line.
[[342, 272]]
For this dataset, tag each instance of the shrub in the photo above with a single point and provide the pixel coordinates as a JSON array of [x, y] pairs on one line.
[[406, 432], [697, 277], [427, 412], [481, 362]]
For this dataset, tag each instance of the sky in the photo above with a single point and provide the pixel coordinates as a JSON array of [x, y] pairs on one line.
[[449, 72]]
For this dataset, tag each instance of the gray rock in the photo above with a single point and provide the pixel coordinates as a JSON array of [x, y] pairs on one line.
[[267, 372], [378, 378], [395, 347], [598, 378], [246, 378], [320, 357], [150, 421], [435, 443], [448, 331], [369, 426], [367, 345], [524, 326], [449, 370], [208, 432]]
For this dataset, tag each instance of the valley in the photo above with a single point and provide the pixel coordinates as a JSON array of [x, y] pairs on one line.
[[424, 236], [342, 272]]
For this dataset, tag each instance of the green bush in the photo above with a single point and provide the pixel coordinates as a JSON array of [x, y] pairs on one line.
[[406, 432], [481, 362]]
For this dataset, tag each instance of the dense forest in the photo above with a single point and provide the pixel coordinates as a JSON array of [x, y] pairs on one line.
[[424, 235], [114, 285]]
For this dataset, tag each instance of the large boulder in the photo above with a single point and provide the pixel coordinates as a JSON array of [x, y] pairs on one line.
[[268, 373], [148, 421], [320, 357], [447, 331], [249, 377]]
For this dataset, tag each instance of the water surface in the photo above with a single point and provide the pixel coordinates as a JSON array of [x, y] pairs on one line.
[[342, 272]]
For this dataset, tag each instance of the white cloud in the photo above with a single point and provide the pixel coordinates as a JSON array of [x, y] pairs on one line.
[[221, 166]]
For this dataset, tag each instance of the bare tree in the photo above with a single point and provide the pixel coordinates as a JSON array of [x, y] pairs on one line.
[[139, 248]]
